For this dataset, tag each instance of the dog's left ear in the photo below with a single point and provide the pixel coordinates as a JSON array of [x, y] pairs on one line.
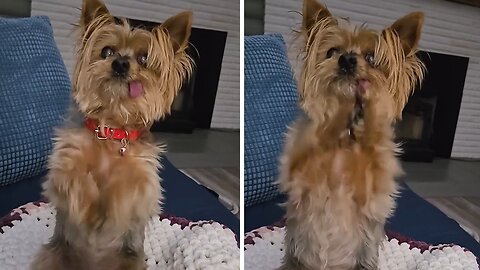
[[92, 9], [312, 13], [408, 29], [179, 28]]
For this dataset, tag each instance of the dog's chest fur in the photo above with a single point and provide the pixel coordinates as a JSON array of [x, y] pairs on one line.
[[336, 193], [109, 194]]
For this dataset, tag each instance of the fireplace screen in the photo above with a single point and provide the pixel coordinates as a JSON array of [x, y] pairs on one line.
[[415, 129], [416, 123], [411, 127]]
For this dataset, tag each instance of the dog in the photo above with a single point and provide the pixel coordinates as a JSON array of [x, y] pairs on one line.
[[339, 164], [103, 176]]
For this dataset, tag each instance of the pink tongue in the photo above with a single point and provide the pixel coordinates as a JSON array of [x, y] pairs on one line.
[[135, 89], [362, 86]]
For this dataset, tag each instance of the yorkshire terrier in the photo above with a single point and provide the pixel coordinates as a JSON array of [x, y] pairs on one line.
[[339, 163], [102, 176]]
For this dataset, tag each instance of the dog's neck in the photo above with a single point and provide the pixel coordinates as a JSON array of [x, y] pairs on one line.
[[351, 122]]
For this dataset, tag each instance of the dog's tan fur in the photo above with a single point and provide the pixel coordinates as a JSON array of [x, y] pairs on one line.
[[341, 189], [103, 199]]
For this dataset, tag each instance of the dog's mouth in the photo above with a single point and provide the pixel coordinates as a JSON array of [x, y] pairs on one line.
[[355, 86], [361, 87], [135, 89]]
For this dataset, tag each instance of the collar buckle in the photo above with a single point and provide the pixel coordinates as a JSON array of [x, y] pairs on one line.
[[99, 136]]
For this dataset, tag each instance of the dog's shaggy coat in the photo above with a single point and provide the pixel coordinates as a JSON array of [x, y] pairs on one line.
[[104, 197], [339, 166]]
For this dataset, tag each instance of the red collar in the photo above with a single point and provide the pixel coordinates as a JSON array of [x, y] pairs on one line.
[[111, 133]]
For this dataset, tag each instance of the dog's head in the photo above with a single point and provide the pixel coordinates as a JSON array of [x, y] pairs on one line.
[[344, 64], [125, 75]]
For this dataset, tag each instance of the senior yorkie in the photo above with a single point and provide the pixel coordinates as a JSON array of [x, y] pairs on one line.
[[103, 177], [338, 167]]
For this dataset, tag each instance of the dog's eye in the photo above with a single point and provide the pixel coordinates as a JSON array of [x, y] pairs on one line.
[[106, 52], [142, 60], [331, 51], [370, 59]]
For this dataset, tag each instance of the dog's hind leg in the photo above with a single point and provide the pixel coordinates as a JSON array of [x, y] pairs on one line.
[[58, 254], [132, 255], [368, 255]]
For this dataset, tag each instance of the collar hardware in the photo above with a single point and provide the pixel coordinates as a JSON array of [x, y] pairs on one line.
[[117, 134]]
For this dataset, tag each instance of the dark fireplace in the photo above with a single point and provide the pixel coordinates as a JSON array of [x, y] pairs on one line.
[[193, 107], [429, 120]]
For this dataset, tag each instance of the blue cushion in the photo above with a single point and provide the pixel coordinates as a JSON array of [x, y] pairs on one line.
[[34, 94], [270, 104]]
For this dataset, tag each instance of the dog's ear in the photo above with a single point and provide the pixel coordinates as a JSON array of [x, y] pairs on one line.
[[312, 13], [408, 29], [92, 9], [178, 28]]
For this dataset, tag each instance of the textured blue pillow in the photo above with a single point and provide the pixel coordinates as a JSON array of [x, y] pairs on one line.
[[34, 94], [270, 105]]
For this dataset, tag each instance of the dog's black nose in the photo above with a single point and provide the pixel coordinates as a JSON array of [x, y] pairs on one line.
[[120, 66], [347, 63]]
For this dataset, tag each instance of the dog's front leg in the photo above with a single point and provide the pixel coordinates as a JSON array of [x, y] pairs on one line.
[[71, 188], [129, 202]]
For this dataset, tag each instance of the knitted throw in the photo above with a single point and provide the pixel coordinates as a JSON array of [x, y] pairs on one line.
[[264, 251], [170, 243]]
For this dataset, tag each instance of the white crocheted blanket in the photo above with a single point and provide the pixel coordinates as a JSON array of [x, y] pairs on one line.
[[264, 251], [170, 243]]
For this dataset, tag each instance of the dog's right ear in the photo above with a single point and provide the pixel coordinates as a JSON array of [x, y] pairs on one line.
[[408, 29], [92, 9], [312, 13], [179, 28]]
